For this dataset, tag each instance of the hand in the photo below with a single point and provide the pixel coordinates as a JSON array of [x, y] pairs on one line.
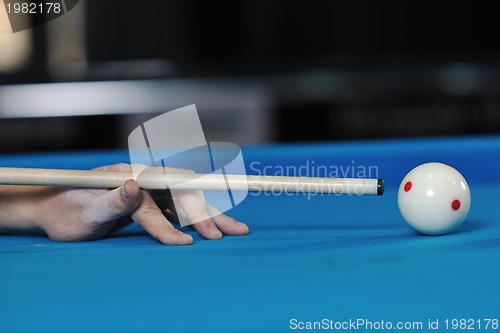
[[75, 214]]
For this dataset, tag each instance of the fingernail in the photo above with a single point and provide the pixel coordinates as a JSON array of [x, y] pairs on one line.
[[125, 194], [187, 237], [214, 231]]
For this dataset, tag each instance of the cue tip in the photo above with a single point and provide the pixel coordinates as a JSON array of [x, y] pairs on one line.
[[380, 187]]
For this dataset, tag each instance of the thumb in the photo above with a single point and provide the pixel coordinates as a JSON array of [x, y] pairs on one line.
[[115, 203]]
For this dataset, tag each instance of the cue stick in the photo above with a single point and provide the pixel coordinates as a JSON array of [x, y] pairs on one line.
[[183, 181]]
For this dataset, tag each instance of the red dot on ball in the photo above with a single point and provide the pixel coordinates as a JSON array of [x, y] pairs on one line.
[[455, 205], [408, 187]]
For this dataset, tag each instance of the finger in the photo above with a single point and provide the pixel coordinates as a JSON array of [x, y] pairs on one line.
[[150, 217], [194, 206], [111, 205], [208, 229], [227, 224]]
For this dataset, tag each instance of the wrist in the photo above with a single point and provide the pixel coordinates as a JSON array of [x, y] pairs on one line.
[[19, 209]]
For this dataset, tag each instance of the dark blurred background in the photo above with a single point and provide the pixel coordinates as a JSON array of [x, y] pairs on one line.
[[258, 71]]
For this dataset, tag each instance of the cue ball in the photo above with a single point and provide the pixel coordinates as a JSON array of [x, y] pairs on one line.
[[434, 198]]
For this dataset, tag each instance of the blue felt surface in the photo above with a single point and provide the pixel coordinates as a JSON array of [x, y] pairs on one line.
[[306, 258]]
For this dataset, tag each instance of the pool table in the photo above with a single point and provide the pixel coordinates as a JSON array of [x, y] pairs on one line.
[[323, 260]]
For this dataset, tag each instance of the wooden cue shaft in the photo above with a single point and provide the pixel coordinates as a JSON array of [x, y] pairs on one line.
[[182, 181]]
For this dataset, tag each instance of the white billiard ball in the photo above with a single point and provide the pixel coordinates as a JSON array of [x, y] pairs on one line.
[[434, 198]]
